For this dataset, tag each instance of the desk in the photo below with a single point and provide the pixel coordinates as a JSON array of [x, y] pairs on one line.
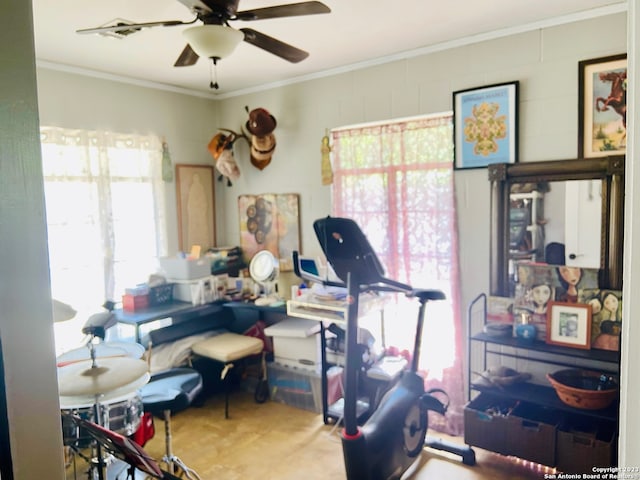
[[173, 310]]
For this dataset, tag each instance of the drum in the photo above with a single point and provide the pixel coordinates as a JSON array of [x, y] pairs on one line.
[[121, 415]]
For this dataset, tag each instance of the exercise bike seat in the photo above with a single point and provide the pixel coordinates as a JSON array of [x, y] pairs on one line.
[[425, 295]]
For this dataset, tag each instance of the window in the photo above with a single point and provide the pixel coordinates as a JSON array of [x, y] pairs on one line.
[[396, 181], [105, 217]]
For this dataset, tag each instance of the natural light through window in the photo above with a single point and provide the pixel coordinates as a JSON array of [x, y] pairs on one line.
[[105, 217], [395, 180]]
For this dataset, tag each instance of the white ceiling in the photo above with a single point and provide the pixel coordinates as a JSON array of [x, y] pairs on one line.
[[356, 32]]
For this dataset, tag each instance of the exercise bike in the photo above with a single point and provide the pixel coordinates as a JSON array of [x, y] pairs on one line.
[[391, 439]]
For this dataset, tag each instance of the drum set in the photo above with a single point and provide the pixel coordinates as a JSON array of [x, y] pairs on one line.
[[99, 384]]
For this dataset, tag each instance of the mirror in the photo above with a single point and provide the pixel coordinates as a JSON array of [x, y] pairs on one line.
[[263, 269], [513, 201]]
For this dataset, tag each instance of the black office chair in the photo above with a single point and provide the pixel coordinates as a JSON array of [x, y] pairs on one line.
[[168, 392]]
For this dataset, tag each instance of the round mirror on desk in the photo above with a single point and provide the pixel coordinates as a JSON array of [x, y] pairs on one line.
[[263, 269]]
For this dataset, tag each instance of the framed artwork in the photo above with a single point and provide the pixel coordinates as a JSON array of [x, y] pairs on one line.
[[196, 206], [270, 222], [606, 317], [602, 106], [485, 125], [569, 324]]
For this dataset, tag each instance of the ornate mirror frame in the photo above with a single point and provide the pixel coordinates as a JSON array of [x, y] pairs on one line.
[[609, 169]]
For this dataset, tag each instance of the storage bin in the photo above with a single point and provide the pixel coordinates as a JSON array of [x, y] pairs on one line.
[[582, 445], [134, 303], [295, 387], [196, 292], [531, 433], [485, 422], [161, 294], [296, 343], [184, 268]]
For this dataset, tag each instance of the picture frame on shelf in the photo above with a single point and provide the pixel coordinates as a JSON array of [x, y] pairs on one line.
[[485, 125], [569, 325], [602, 106], [196, 206]]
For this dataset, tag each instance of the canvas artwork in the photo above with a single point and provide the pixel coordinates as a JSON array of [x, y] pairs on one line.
[[500, 309], [606, 317], [539, 284], [270, 222]]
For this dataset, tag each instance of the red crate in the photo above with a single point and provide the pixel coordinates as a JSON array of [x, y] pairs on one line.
[[132, 303]]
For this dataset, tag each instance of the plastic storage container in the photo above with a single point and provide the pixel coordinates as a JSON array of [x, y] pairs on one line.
[[185, 269], [295, 387], [296, 343]]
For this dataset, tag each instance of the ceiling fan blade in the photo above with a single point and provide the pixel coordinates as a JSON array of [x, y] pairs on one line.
[[279, 11], [272, 45], [133, 26], [187, 58]]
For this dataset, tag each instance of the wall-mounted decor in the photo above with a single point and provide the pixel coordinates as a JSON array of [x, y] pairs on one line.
[[485, 125], [196, 206], [602, 106], [569, 325], [270, 222]]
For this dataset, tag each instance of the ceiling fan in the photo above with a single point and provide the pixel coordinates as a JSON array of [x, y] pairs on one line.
[[215, 38]]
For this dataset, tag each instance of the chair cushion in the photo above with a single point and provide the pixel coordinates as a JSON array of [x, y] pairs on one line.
[[228, 347], [173, 389]]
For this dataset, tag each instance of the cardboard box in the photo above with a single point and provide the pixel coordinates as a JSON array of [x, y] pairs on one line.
[[296, 343], [582, 445], [185, 269], [531, 433], [485, 422]]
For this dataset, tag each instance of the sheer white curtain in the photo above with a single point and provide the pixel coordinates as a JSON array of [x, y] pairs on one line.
[[395, 179], [105, 217]]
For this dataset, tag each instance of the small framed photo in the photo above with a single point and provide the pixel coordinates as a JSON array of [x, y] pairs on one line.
[[569, 324], [602, 106], [485, 125]]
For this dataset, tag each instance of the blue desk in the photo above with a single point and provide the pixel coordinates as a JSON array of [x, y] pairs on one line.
[[177, 311]]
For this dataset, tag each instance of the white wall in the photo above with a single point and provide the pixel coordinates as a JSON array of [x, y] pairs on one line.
[[25, 296], [630, 356], [544, 61]]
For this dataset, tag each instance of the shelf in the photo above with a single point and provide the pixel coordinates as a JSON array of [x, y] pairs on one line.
[[546, 396], [538, 346], [314, 308]]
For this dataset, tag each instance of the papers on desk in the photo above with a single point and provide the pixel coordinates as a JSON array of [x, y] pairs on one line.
[[323, 292]]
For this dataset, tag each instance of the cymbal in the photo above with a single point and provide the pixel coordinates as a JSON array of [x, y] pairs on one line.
[[108, 374], [104, 349], [119, 394], [62, 311]]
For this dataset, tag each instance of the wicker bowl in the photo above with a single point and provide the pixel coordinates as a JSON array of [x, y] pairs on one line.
[[584, 389]]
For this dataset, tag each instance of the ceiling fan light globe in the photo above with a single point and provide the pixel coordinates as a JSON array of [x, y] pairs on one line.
[[213, 41]]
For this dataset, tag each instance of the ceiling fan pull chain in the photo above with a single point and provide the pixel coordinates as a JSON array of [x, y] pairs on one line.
[[214, 74]]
